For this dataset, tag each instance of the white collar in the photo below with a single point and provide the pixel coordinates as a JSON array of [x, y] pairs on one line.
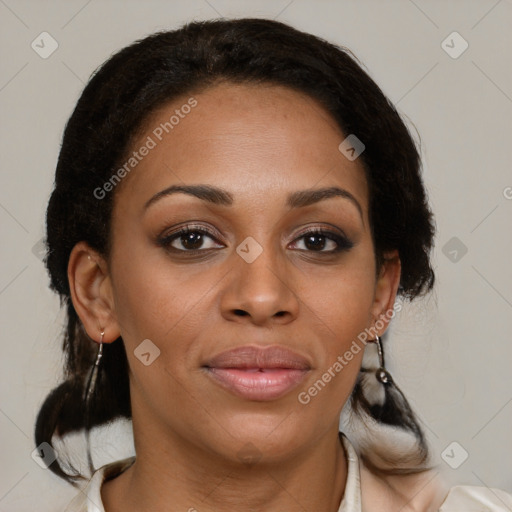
[[351, 501]]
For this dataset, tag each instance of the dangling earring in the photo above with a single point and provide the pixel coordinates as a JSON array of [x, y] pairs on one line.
[[382, 374], [89, 390], [94, 371]]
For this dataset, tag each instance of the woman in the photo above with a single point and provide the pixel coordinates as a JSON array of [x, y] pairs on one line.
[[236, 208]]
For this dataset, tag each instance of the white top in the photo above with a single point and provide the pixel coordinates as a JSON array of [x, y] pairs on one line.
[[372, 495]]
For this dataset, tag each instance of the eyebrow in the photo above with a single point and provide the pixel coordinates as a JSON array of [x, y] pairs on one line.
[[219, 196]]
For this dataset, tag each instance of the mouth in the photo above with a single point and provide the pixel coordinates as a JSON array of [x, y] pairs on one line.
[[260, 374]]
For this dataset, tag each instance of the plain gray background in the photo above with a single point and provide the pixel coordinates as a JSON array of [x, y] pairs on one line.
[[451, 353]]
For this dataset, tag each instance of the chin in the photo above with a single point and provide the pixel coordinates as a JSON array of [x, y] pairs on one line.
[[254, 437]]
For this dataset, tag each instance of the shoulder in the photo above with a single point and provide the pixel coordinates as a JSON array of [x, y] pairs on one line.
[[472, 498], [418, 492], [426, 492], [378, 492], [88, 498]]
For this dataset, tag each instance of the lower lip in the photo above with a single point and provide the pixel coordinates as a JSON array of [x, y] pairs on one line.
[[269, 384]]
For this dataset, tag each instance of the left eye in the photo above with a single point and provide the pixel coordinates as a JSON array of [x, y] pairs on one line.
[[193, 239], [317, 240]]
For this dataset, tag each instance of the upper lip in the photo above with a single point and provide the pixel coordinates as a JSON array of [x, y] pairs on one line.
[[259, 357]]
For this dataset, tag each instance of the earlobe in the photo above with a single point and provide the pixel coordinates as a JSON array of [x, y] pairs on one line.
[[91, 293], [385, 291]]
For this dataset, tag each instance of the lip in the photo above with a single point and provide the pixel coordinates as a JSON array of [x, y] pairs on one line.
[[256, 373]]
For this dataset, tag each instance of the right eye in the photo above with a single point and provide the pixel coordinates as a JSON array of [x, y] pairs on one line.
[[190, 238]]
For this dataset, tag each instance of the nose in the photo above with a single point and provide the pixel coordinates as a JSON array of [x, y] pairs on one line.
[[260, 292]]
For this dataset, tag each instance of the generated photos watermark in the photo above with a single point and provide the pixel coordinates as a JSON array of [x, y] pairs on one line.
[[150, 143], [304, 397]]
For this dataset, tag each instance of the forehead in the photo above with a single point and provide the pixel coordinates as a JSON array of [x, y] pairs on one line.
[[260, 142]]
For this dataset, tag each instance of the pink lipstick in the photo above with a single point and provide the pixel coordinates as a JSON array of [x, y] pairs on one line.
[[256, 373]]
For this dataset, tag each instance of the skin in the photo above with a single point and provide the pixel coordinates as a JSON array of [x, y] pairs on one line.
[[260, 143]]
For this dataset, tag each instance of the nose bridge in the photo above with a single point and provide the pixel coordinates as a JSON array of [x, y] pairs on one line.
[[259, 265], [259, 285], [259, 251]]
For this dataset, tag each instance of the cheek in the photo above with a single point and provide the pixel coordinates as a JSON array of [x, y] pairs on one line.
[[341, 309], [169, 305], [152, 302], [342, 300], [341, 317]]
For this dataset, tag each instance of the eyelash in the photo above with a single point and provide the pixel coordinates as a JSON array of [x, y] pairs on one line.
[[343, 244]]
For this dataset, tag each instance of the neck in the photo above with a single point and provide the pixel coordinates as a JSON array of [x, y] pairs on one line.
[[172, 473]]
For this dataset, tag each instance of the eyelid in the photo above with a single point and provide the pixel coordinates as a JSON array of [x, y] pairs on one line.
[[326, 228], [166, 238]]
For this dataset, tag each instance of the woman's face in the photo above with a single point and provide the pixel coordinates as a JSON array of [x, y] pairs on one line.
[[256, 279]]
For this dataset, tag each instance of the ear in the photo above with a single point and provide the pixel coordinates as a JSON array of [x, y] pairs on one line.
[[91, 293], [385, 291]]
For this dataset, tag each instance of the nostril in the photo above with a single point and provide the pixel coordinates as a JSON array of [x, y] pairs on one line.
[[240, 312]]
